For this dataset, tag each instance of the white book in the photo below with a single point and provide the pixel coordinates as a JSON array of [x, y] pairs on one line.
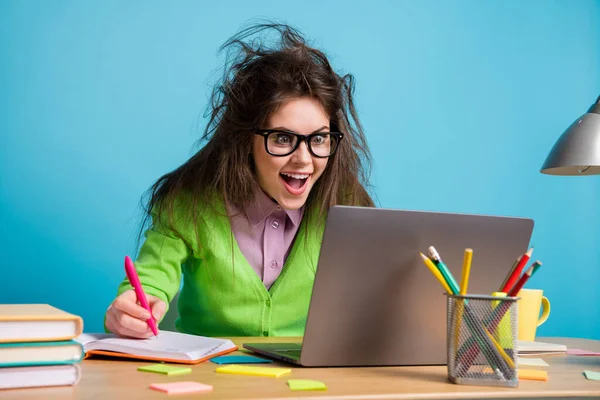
[[40, 353], [42, 376], [36, 323], [167, 346], [526, 348]]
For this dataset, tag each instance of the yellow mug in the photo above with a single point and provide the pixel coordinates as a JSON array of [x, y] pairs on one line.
[[530, 302]]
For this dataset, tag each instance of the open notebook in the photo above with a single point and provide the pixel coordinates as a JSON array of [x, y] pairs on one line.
[[167, 346]]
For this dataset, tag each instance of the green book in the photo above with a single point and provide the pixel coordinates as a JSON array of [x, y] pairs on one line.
[[40, 353]]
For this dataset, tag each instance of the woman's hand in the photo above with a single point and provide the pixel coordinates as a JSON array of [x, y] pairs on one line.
[[127, 318]]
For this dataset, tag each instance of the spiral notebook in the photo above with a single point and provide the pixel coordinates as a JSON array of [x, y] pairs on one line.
[[167, 346]]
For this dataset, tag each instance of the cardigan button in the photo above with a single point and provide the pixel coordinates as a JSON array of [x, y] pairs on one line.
[[267, 302], [265, 333]]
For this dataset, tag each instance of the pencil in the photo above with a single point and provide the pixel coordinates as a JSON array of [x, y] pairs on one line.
[[512, 270], [519, 285], [466, 270], [536, 265], [437, 260], [436, 272], [514, 277], [464, 283]]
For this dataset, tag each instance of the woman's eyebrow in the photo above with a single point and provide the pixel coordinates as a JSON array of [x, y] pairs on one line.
[[283, 128]]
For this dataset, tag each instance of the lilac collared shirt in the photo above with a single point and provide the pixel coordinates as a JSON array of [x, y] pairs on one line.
[[266, 236]]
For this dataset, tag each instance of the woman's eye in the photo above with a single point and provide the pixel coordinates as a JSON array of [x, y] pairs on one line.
[[320, 139], [283, 139]]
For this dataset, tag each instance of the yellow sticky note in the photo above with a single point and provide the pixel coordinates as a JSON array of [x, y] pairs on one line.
[[306, 384], [252, 370], [165, 369], [533, 374]]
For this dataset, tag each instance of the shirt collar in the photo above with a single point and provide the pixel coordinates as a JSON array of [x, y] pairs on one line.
[[262, 206]]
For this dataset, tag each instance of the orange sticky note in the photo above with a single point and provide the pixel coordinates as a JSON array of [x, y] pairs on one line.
[[533, 374], [181, 387]]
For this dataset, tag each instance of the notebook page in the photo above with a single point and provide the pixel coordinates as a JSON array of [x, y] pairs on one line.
[[174, 345], [86, 338]]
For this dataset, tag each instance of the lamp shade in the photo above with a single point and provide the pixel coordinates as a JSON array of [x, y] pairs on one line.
[[577, 151]]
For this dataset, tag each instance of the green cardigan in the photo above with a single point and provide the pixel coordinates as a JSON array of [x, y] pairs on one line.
[[221, 294]]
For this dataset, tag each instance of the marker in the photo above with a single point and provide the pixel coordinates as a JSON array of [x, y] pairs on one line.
[[133, 278]]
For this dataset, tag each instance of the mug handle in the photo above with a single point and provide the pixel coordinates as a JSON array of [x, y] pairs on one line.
[[545, 312]]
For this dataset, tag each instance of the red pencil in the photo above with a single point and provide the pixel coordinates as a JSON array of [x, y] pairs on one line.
[[517, 272], [519, 285], [512, 270]]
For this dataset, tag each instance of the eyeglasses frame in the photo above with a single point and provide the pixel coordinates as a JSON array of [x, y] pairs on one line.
[[300, 138]]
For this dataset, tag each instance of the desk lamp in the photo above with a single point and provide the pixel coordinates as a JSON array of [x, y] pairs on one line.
[[577, 151]]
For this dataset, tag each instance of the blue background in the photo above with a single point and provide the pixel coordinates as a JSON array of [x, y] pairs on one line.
[[461, 101]]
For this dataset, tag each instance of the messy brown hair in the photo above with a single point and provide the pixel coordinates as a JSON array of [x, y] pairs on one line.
[[260, 74]]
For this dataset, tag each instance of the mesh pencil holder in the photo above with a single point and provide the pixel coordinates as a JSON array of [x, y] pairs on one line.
[[482, 340]]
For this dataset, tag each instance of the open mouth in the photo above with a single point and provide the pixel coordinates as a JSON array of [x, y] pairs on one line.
[[294, 183]]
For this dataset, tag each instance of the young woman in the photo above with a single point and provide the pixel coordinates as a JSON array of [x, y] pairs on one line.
[[242, 220]]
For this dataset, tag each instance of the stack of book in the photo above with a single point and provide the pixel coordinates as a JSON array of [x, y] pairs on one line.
[[36, 346]]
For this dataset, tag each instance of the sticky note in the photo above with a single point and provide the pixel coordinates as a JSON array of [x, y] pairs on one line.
[[592, 376], [579, 352], [239, 360], [306, 384], [165, 369], [532, 362], [250, 370], [533, 374], [181, 387]]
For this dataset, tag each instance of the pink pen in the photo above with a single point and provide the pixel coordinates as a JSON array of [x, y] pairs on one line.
[[139, 292]]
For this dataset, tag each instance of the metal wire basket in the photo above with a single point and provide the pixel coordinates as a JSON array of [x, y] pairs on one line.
[[482, 340]]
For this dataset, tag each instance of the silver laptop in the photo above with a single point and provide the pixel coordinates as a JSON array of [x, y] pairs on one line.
[[375, 303]]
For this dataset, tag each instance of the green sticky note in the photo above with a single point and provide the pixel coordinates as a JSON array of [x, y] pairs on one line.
[[306, 384], [165, 369], [591, 375]]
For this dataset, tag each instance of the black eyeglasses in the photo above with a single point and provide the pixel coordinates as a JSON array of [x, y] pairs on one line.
[[281, 143]]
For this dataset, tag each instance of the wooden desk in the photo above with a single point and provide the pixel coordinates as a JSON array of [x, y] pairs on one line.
[[109, 379]]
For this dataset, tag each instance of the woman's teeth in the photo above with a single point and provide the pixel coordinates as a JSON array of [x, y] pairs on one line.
[[296, 176]]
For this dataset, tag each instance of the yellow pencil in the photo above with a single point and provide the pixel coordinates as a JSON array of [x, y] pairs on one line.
[[466, 270], [503, 354], [464, 283], [436, 272]]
